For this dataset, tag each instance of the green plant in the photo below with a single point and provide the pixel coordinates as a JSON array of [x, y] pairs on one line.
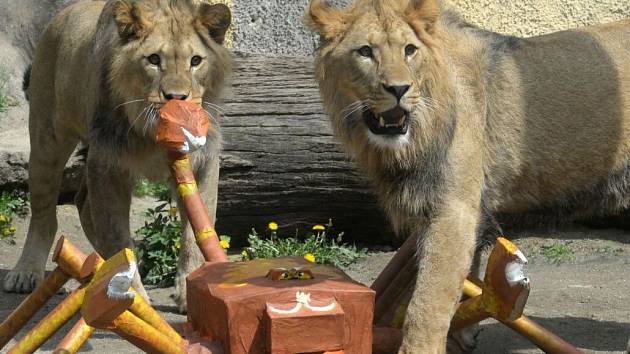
[[147, 188], [557, 252], [158, 249], [317, 245], [11, 203], [5, 100]]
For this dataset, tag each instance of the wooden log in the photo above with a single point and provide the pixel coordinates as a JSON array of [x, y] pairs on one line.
[[280, 161]]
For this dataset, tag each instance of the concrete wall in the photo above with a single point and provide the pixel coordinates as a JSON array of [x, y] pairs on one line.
[[275, 26], [533, 17]]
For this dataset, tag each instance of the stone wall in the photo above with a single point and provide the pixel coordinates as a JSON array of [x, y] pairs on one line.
[[534, 17], [275, 26]]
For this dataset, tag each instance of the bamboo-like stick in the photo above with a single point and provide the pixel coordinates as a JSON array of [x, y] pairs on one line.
[[145, 336], [405, 254], [146, 313], [393, 296], [542, 338], [69, 260], [27, 309], [206, 236], [77, 336], [139, 307], [61, 314]]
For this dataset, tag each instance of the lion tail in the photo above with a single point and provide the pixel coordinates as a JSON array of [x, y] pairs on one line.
[[26, 80]]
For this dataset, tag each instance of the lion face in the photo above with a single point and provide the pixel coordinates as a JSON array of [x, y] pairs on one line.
[[373, 67], [168, 50]]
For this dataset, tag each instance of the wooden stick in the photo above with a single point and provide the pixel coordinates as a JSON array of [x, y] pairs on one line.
[[77, 336], [27, 309], [61, 314], [207, 238], [144, 336]]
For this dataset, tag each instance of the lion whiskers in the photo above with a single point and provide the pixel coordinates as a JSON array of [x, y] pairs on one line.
[[151, 119], [427, 104], [354, 107], [138, 117], [129, 102], [215, 107]]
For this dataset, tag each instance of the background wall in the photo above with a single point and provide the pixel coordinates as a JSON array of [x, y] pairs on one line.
[[275, 26]]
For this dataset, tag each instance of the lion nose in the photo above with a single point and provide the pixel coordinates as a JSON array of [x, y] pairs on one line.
[[397, 91], [174, 96]]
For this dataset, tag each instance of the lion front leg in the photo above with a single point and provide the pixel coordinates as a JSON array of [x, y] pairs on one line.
[[190, 257], [104, 209], [445, 255]]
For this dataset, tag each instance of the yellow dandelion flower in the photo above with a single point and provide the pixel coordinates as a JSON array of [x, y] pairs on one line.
[[224, 244], [309, 257], [172, 211], [273, 226], [319, 227], [13, 228], [6, 232], [3, 218]]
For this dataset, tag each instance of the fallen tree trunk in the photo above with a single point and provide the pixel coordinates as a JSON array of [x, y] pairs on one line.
[[280, 161]]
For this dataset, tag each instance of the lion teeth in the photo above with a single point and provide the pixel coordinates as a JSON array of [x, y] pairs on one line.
[[401, 121], [381, 122]]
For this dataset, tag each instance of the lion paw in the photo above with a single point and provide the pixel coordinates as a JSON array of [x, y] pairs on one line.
[[22, 281], [463, 341]]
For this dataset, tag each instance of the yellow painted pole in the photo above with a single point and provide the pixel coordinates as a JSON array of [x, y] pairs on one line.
[[206, 236], [18, 318], [77, 336], [541, 337], [145, 312], [144, 336], [50, 324]]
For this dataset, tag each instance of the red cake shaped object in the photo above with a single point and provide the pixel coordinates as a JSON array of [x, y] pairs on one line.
[[238, 305]]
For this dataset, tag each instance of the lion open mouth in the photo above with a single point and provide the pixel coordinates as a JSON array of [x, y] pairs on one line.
[[392, 122]]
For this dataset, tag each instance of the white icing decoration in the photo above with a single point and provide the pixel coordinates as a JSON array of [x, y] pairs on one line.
[[118, 287]]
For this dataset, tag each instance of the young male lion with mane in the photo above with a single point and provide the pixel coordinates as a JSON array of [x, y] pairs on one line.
[[455, 124], [101, 72]]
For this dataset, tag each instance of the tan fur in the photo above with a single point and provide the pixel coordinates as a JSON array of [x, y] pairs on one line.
[[498, 125], [92, 82]]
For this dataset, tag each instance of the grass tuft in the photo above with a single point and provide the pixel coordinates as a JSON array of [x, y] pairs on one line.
[[557, 252]]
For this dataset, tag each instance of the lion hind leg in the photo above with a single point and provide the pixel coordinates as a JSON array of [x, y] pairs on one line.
[[48, 158]]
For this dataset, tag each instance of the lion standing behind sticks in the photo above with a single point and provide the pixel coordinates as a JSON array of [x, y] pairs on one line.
[[455, 124], [101, 72]]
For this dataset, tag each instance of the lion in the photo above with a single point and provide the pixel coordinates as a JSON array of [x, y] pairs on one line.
[[100, 74], [454, 125]]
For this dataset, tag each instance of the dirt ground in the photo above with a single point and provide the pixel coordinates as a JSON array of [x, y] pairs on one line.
[[580, 288]]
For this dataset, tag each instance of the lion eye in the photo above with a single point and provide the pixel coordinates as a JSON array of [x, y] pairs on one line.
[[195, 60], [154, 59], [410, 49], [365, 51]]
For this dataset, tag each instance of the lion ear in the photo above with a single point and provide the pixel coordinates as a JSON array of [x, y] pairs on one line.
[[217, 19], [325, 19], [424, 13], [130, 19]]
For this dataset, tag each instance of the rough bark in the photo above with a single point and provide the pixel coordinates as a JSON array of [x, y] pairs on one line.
[[281, 162]]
